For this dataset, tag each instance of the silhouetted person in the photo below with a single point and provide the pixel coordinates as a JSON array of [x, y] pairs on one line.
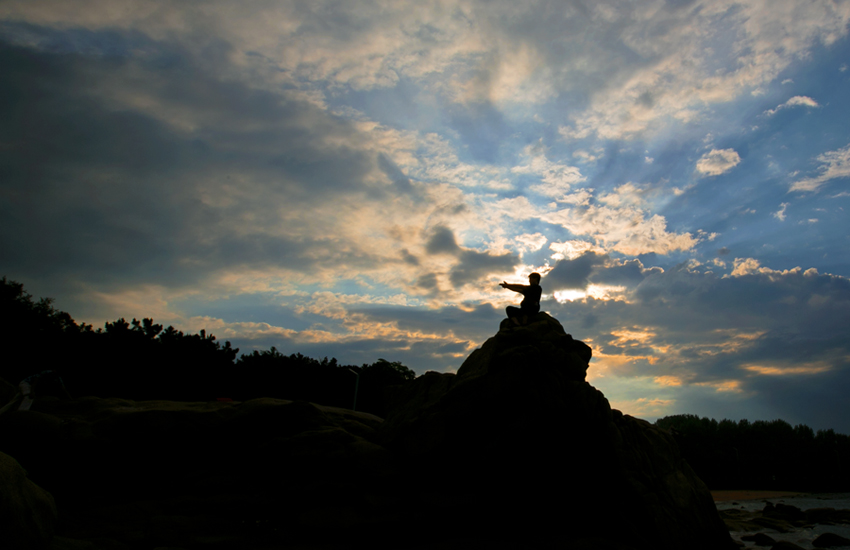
[[530, 301]]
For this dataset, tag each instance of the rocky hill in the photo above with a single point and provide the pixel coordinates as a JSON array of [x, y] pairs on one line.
[[515, 450]]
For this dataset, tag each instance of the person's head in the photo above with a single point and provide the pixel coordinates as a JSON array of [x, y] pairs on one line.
[[534, 278]]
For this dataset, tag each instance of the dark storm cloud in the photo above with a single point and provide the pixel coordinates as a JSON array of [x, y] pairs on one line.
[[442, 241], [427, 281], [573, 274], [409, 258], [471, 265], [392, 171], [592, 268], [92, 188], [627, 273], [474, 264]]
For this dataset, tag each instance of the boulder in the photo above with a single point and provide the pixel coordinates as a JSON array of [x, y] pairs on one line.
[[27, 512], [163, 473], [830, 540], [535, 451]]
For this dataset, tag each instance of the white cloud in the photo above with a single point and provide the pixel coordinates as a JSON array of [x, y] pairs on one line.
[[556, 178], [571, 250], [586, 156], [796, 101], [624, 195], [531, 242], [625, 230], [718, 161], [745, 266], [834, 164], [780, 214], [680, 71]]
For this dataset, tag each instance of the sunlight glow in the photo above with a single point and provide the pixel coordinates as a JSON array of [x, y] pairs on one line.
[[733, 386], [605, 292], [667, 380], [569, 295], [809, 368], [644, 406]]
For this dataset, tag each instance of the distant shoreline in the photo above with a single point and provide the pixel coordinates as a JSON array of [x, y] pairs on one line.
[[741, 494]]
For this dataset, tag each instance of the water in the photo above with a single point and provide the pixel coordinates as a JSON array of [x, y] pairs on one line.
[[800, 537]]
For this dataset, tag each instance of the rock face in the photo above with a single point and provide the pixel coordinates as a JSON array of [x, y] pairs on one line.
[[537, 454], [515, 450], [27, 512], [146, 474]]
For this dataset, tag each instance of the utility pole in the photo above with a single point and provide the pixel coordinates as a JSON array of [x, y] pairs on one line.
[[356, 385]]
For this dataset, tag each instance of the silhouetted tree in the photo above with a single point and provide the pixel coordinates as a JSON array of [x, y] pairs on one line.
[[140, 359], [761, 454]]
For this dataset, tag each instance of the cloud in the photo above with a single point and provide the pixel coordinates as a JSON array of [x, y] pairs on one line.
[[718, 161], [474, 265], [796, 101], [531, 242], [745, 266], [442, 241], [556, 179], [573, 274], [834, 165], [626, 230], [240, 180], [780, 214], [645, 67], [674, 52]]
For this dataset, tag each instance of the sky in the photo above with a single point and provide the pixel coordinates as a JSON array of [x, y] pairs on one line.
[[354, 180]]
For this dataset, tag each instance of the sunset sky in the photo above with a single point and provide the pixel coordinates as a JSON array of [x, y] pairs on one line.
[[353, 179]]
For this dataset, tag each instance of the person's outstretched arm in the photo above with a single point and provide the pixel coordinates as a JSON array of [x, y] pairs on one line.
[[515, 288]]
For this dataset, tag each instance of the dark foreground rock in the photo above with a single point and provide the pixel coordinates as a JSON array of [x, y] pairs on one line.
[[830, 540], [515, 451], [537, 455], [27, 512]]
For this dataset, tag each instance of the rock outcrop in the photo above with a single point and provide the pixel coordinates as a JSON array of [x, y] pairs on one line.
[[27, 512], [515, 450], [538, 456]]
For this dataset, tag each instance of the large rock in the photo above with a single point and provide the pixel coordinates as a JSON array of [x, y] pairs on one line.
[[537, 456], [27, 512], [176, 474]]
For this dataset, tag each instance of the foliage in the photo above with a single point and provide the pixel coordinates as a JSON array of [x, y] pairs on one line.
[[140, 359], [761, 454]]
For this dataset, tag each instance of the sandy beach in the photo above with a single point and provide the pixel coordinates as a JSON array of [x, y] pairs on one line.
[[745, 494]]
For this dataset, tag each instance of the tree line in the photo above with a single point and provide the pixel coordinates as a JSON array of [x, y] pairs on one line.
[[143, 360], [762, 454]]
